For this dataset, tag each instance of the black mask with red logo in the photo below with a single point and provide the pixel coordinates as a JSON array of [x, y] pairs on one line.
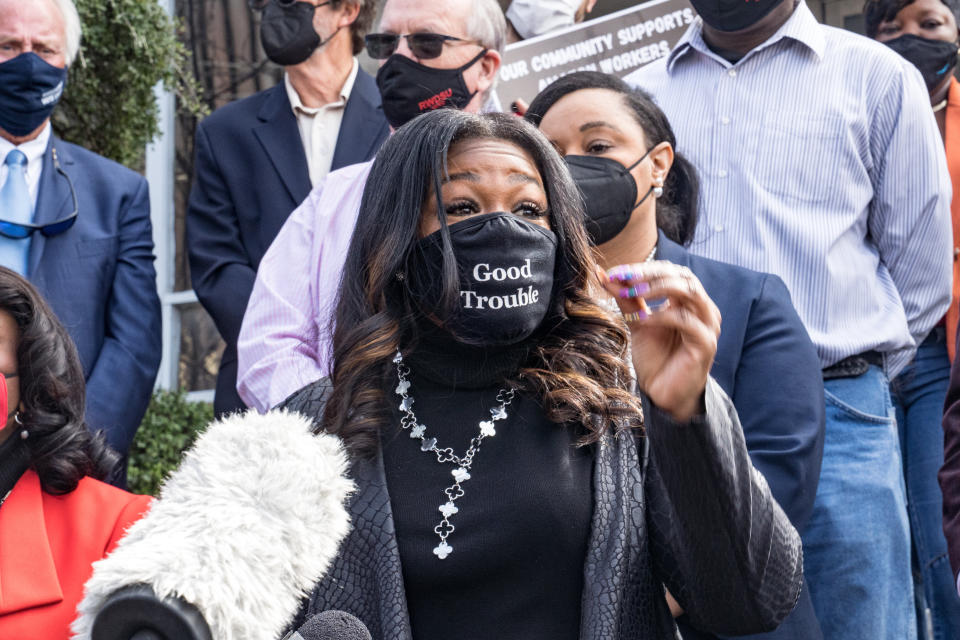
[[408, 88]]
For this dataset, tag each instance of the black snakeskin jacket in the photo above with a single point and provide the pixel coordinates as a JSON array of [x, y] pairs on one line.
[[680, 507]]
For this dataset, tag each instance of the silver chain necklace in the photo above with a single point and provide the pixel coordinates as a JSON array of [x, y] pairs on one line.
[[461, 473]]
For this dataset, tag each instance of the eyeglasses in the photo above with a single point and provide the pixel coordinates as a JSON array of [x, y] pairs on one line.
[[258, 5], [381, 46], [20, 230]]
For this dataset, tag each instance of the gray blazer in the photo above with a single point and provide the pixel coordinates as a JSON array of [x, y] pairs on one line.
[[680, 507]]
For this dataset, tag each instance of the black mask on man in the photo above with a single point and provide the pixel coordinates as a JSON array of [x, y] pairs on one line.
[[506, 271], [609, 194], [408, 88], [934, 58], [30, 88], [733, 15], [287, 33]]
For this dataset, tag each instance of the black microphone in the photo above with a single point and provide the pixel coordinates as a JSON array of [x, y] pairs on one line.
[[332, 625], [136, 613], [242, 531]]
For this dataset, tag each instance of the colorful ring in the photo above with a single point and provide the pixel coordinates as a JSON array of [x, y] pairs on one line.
[[634, 316]]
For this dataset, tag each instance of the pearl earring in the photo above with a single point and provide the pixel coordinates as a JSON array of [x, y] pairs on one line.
[[658, 191]]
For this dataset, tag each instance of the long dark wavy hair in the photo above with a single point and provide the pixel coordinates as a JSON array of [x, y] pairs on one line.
[[577, 369], [52, 393], [677, 208]]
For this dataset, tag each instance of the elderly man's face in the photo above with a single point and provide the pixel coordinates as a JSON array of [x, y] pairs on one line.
[[446, 17], [32, 26]]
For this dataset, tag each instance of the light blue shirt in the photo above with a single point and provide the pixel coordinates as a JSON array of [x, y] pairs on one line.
[[15, 254], [821, 162]]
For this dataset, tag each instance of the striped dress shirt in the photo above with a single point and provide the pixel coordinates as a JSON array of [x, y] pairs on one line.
[[286, 338], [820, 161]]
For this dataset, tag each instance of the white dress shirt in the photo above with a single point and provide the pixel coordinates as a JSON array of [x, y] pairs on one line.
[[320, 126], [34, 150]]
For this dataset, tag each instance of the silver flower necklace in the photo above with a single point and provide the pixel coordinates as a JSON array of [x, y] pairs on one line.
[[461, 471]]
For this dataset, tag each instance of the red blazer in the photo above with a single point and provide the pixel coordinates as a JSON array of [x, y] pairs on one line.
[[47, 546]]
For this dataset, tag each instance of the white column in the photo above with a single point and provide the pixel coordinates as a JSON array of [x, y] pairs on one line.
[[160, 158]]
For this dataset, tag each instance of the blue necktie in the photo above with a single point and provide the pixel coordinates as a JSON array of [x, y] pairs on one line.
[[16, 205]]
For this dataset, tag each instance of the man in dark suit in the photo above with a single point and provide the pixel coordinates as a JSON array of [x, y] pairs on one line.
[[258, 158], [93, 257]]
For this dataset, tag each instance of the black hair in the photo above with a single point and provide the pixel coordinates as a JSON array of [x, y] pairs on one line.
[[577, 367], [52, 393], [876, 12], [677, 209]]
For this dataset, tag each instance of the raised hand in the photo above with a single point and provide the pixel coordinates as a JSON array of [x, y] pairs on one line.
[[674, 327]]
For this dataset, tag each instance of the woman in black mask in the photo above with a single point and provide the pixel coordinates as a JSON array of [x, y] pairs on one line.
[[507, 473], [925, 33], [641, 202]]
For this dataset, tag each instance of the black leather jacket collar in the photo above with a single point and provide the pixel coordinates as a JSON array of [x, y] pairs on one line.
[[681, 507]]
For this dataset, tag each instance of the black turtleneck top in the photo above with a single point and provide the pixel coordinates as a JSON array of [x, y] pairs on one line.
[[516, 570], [14, 461]]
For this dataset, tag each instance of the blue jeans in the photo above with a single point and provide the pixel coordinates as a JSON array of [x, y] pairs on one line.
[[918, 394], [857, 543]]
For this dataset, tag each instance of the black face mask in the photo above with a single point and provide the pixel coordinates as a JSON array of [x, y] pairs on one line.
[[934, 58], [30, 88], [609, 194], [506, 268], [287, 33], [408, 88], [733, 15]]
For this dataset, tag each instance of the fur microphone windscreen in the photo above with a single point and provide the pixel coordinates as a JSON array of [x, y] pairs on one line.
[[242, 530]]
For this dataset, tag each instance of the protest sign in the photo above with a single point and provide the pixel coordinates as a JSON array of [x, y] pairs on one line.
[[617, 43]]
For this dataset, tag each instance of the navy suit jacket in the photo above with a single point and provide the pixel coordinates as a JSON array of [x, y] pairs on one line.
[[99, 279], [769, 367], [250, 174]]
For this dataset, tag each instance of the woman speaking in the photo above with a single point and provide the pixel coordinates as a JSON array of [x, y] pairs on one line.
[[641, 200], [510, 480]]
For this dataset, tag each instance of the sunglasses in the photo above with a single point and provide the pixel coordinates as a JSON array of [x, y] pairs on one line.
[[381, 46], [20, 230]]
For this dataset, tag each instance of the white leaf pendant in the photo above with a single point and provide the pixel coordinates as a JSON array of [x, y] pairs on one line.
[[486, 428], [460, 474], [499, 413], [428, 444], [448, 509], [406, 404], [418, 431], [442, 550], [403, 387], [397, 359]]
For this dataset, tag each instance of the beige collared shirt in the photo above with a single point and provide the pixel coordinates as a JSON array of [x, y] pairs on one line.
[[320, 126]]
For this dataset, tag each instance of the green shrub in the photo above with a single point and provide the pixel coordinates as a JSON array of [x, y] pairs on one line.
[[169, 428], [128, 47]]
